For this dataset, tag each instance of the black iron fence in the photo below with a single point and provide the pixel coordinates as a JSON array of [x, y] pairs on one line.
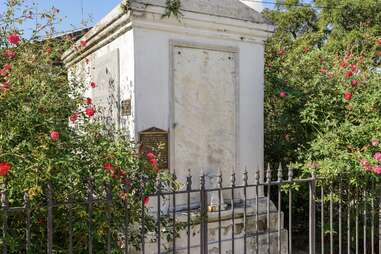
[[247, 216]]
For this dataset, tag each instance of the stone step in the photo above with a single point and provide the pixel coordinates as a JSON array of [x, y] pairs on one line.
[[227, 245], [226, 220], [226, 225], [223, 221]]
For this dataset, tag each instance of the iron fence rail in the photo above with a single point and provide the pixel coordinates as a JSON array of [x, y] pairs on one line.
[[338, 232]]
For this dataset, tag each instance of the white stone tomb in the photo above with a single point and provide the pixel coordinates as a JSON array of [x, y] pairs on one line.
[[198, 77]]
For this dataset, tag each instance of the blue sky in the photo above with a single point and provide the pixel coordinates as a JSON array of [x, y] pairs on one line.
[[71, 11]]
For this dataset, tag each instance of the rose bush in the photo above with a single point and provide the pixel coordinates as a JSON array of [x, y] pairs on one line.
[[50, 136], [323, 103]]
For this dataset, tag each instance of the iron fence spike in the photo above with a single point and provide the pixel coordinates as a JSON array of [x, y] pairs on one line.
[[280, 172]]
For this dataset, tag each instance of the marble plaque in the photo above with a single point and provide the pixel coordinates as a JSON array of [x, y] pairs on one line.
[[205, 105], [156, 140], [126, 107]]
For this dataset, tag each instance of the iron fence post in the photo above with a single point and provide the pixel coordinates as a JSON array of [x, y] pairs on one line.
[[50, 219], [203, 214], [4, 206], [379, 224], [312, 215]]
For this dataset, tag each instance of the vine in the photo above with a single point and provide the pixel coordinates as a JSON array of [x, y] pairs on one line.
[[172, 8]]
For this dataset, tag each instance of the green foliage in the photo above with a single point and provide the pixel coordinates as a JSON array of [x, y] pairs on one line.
[[36, 99], [173, 8], [327, 62]]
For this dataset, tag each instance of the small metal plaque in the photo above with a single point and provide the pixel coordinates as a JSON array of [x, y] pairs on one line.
[[156, 140], [126, 107]]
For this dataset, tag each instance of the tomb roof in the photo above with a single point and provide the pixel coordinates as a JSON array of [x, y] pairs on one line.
[[234, 9]]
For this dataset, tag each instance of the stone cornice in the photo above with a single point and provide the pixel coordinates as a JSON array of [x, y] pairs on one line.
[[112, 26], [121, 20]]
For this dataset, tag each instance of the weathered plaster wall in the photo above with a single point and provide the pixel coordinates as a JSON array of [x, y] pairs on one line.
[[125, 45], [153, 95]]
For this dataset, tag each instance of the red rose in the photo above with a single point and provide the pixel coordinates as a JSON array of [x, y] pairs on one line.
[[89, 101], [49, 50], [54, 135], [282, 94], [73, 117], [14, 39], [344, 63], [127, 182], [83, 43], [90, 111], [9, 53], [4, 168], [93, 85], [379, 41], [146, 200], [7, 67], [281, 52], [353, 67], [354, 83], [154, 163], [122, 174], [348, 74], [347, 96], [323, 70], [150, 156], [108, 166]]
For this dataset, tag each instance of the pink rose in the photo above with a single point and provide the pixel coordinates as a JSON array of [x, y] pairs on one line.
[[282, 94], [375, 142], [377, 169], [4, 87], [366, 165], [83, 43], [54, 135], [9, 53], [73, 117], [377, 156]]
